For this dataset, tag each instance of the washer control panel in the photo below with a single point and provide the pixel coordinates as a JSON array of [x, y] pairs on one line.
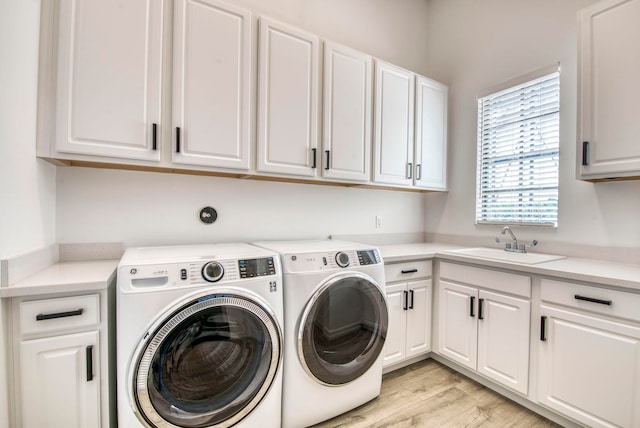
[[368, 257], [201, 272], [251, 268]]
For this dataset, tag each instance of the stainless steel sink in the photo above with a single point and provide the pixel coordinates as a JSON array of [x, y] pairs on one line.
[[505, 256]]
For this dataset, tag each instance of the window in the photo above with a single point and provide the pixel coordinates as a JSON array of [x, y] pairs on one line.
[[518, 148]]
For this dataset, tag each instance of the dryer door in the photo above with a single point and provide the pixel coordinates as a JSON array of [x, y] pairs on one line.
[[207, 364], [342, 329]]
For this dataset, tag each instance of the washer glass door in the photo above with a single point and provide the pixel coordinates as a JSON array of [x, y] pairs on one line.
[[209, 364], [342, 329]]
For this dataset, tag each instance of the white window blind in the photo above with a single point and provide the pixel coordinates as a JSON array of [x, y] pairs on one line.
[[518, 147]]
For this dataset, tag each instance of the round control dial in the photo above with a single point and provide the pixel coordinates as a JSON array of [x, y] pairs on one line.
[[212, 271], [342, 259]]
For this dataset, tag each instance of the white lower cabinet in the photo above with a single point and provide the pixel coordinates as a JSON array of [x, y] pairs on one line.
[[409, 297], [60, 362], [59, 385], [589, 361], [485, 329]]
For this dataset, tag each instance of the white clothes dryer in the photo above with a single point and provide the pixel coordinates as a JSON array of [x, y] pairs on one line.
[[199, 337], [335, 327]]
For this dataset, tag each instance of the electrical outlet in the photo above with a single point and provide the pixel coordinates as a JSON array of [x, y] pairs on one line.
[[378, 222]]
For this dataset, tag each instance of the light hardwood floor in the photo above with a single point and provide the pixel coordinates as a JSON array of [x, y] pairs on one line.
[[428, 394]]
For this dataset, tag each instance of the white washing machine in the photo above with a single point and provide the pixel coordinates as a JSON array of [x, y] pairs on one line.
[[199, 337], [335, 326]]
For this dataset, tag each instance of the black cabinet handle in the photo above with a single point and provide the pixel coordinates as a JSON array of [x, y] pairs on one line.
[[543, 328], [178, 139], [406, 303], [313, 151], [89, 355], [43, 317], [154, 138], [419, 172], [592, 300], [411, 299], [328, 154], [471, 301], [480, 302], [409, 271], [409, 169], [585, 153]]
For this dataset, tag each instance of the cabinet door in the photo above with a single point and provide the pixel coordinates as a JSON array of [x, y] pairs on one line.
[[109, 78], [431, 134], [395, 343], [503, 339], [457, 323], [393, 135], [589, 368], [347, 114], [419, 318], [211, 84], [56, 388], [287, 100], [609, 89]]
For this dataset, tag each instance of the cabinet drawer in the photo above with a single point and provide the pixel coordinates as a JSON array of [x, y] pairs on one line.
[[592, 299], [57, 315], [407, 270], [519, 285]]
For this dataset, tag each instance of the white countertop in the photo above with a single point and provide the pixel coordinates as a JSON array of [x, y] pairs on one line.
[[620, 275], [65, 277], [78, 276]]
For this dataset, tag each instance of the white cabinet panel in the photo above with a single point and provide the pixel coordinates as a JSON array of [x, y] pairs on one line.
[[287, 100], [108, 91], [393, 134], [395, 343], [609, 90], [347, 114], [457, 323], [56, 389], [589, 368], [503, 339], [419, 317], [212, 63], [431, 134]]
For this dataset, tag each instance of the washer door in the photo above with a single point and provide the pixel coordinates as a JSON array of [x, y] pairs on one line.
[[342, 329], [208, 364]]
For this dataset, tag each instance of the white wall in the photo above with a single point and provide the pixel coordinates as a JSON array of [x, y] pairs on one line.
[[474, 45], [27, 186], [140, 208]]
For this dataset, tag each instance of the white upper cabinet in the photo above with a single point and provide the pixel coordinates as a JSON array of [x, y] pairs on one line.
[[393, 133], [234, 101], [212, 63], [347, 101], [431, 134], [609, 90], [287, 100], [108, 88]]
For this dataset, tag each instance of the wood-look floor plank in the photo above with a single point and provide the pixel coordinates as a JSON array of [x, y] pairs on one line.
[[428, 394]]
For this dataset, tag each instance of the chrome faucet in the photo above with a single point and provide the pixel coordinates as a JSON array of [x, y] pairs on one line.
[[513, 246]]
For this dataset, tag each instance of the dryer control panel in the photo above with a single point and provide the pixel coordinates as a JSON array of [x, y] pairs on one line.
[[313, 262]]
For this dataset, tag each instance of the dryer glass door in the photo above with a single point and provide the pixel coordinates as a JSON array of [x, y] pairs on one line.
[[343, 329], [210, 363]]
